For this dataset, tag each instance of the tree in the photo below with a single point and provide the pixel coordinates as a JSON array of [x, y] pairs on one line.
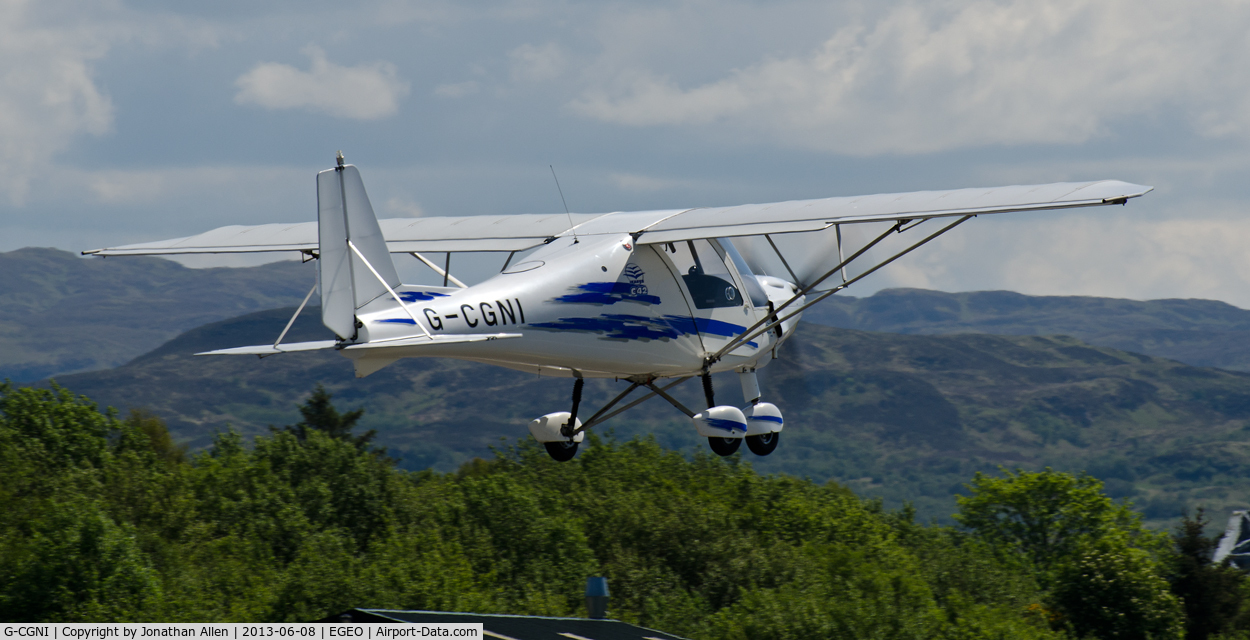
[[1099, 563], [1046, 515], [320, 414], [1214, 595], [158, 438], [1111, 591]]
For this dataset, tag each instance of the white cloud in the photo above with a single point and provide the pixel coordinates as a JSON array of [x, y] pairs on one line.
[[402, 207], [48, 95], [1097, 252], [927, 77], [537, 63], [127, 187], [363, 92]]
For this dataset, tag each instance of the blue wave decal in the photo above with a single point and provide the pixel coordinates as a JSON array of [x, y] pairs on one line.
[[420, 296], [766, 418], [608, 293], [397, 320], [631, 327], [618, 327], [725, 425]]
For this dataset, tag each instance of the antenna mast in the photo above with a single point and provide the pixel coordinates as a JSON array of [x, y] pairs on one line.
[[566, 205]]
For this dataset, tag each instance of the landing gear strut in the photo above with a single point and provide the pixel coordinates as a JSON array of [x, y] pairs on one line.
[[571, 425], [564, 450]]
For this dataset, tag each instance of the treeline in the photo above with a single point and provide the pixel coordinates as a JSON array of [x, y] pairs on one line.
[[106, 519]]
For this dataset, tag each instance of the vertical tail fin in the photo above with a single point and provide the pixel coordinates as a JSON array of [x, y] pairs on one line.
[[345, 216]]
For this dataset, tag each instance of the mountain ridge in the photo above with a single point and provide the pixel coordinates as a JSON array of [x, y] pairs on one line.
[[903, 417], [61, 313], [1206, 333]]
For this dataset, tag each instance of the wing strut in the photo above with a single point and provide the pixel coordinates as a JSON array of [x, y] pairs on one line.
[[442, 272], [837, 228], [787, 264], [737, 342], [755, 331], [297, 312]]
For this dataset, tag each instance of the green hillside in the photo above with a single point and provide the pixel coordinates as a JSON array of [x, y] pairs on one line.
[[61, 313], [904, 417], [1205, 333]]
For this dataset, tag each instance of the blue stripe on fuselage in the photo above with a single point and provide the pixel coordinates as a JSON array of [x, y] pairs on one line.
[[607, 293], [631, 327]]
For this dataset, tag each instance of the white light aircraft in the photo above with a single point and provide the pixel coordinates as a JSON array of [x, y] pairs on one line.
[[653, 298]]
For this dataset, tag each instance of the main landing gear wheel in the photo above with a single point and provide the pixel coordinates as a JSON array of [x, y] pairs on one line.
[[561, 451], [724, 446], [764, 443]]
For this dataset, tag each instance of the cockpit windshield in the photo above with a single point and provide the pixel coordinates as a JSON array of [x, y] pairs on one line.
[[758, 297]]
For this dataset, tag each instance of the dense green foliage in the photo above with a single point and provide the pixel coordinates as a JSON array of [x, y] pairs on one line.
[[104, 519], [1213, 595], [903, 417], [1047, 516]]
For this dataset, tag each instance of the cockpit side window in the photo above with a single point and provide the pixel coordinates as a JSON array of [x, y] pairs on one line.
[[752, 286], [706, 276]]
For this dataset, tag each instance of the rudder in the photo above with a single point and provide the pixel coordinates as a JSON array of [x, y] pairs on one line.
[[345, 216]]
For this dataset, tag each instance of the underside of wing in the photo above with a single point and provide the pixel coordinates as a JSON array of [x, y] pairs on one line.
[[813, 215], [415, 341], [403, 235], [520, 232]]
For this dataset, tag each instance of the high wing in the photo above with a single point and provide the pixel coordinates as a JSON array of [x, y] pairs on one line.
[[520, 232], [403, 235]]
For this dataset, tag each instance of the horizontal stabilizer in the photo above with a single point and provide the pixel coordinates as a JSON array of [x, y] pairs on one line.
[[268, 349], [421, 341], [417, 341]]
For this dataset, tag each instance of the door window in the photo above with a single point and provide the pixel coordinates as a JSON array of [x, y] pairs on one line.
[[706, 276]]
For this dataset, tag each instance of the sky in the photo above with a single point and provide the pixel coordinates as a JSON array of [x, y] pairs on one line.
[[126, 122]]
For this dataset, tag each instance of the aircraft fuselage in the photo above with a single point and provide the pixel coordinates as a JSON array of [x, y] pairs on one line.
[[594, 306]]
